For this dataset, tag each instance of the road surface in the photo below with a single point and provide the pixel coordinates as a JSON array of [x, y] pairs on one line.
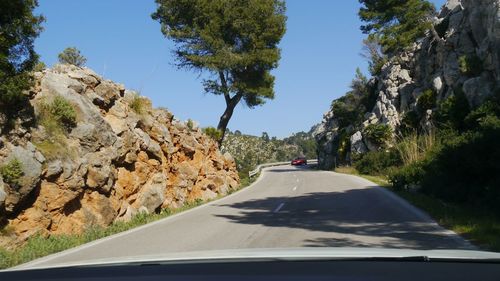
[[287, 207]]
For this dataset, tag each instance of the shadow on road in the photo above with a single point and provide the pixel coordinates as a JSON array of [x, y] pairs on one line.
[[354, 218]]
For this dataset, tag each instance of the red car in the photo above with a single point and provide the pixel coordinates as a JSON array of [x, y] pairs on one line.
[[299, 161]]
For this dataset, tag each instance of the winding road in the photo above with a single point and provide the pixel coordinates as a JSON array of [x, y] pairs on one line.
[[287, 207]]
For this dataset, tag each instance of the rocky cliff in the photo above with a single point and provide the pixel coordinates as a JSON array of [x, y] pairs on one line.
[[118, 157], [464, 60]]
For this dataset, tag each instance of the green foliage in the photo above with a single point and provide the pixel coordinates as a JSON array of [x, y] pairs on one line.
[[378, 162], [379, 134], [12, 172], [235, 41], [265, 137], [58, 115], [306, 143], [39, 66], [18, 30], [397, 24], [190, 124], [406, 176], [213, 133], [452, 111], [72, 55], [427, 100], [350, 108], [409, 123], [470, 65], [58, 118]]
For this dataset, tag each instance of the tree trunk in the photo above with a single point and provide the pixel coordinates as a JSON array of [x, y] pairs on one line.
[[224, 119]]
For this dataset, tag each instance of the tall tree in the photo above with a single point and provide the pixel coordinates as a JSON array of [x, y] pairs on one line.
[[235, 41], [18, 30], [397, 23]]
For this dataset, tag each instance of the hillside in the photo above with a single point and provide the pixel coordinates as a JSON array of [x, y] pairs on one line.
[[250, 151], [430, 119], [92, 152]]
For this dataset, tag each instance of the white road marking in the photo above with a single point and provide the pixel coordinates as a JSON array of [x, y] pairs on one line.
[[297, 180], [279, 207], [294, 188]]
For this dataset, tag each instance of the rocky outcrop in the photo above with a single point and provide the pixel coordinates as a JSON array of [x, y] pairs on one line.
[[469, 33], [122, 157]]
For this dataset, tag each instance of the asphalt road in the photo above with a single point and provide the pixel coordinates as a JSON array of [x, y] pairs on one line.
[[287, 207]]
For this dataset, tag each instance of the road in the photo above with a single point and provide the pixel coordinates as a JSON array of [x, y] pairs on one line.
[[287, 207]]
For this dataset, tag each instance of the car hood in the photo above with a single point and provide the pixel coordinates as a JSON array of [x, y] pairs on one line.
[[274, 254]]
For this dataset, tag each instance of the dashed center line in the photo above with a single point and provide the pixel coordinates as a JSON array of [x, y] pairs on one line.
[[297, 180], [294, 188], [279, 207]]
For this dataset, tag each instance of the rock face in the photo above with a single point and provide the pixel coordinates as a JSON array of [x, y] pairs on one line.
[[122, 157], [469, 30]]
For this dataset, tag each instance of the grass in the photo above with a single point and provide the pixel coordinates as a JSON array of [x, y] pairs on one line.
[[39, 246], [478, 226]]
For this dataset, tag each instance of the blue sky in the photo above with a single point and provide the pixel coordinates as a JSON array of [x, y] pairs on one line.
[[320, 53]]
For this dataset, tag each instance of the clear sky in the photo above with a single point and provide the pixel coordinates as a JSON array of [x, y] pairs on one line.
[[320, 52]]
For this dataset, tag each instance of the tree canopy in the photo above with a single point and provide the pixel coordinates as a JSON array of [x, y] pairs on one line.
[[235, 41], [72, 55], [396, 23], [18, 30]]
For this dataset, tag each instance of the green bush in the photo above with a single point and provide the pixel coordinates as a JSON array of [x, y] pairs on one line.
[[213, 133], [12, 172], [470, 65], [426, 101], [378, 162], [452, 111], [409, 123], [466, 169], [59, 115], [403, 177], [379, 134]]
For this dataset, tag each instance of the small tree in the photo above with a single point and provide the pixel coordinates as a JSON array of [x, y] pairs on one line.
[[265, 136], [396, 23], [72, 55], [235, 41]]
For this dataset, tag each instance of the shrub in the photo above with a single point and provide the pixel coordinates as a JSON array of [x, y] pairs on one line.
[[190, 124], [452, 111], [470, 65], [59, 115], [466, 169], [409, 123], [138, 105], [377, 162], [213, 133], [403, 177], [379, 134], [426, 101], [63, 111], [12, 172]]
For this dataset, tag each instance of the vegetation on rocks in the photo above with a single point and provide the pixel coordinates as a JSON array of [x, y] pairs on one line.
[[72, 55], [12, 172], [433, 123], [250, 151]]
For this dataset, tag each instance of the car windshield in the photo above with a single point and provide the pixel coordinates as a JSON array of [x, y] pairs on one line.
[[173, 128]]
